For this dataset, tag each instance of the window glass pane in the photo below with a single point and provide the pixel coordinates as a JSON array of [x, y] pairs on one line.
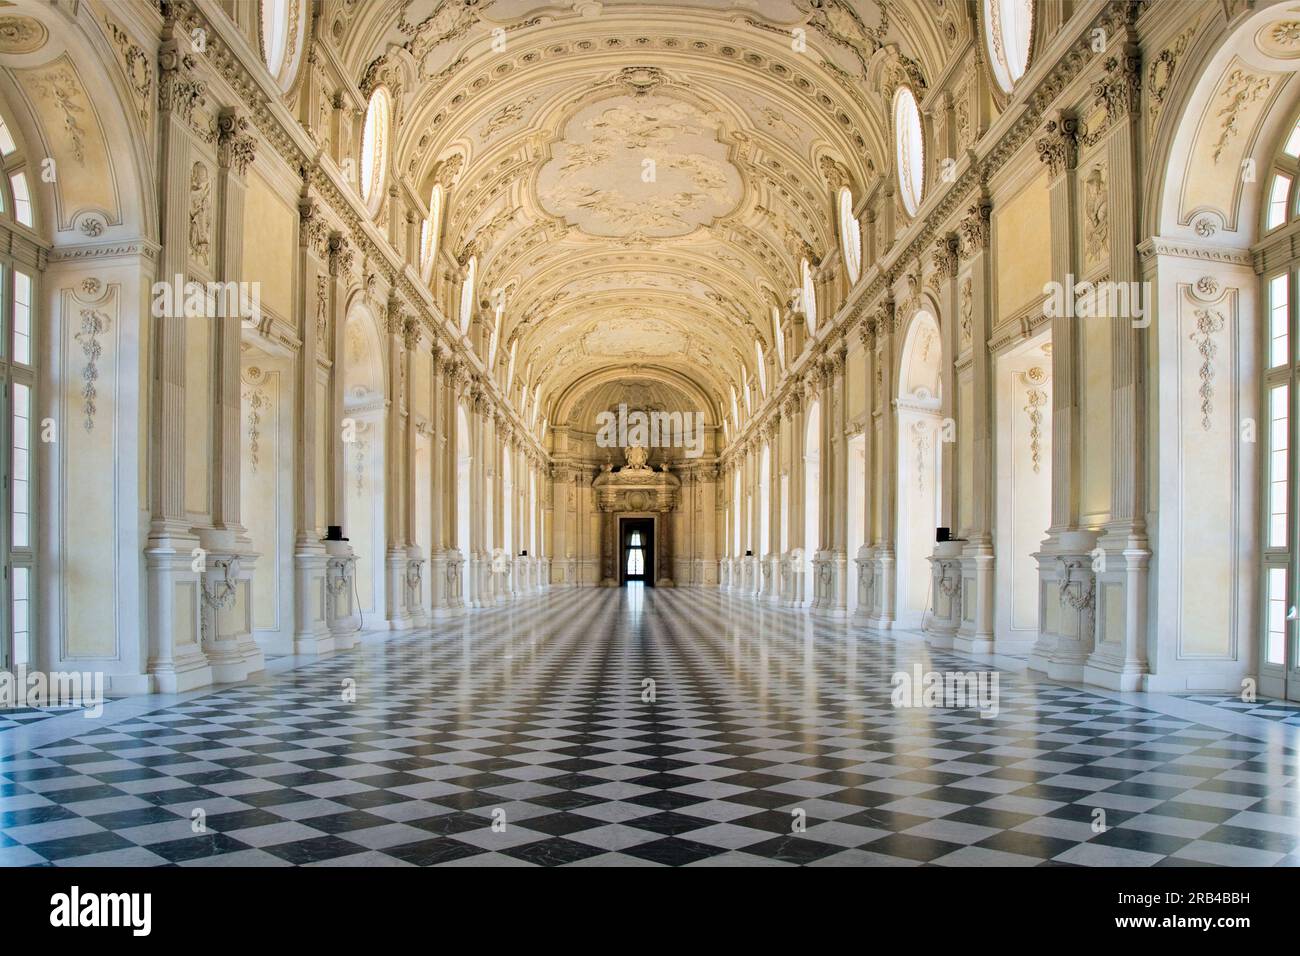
[[1292, 147], [374, 145], [1008, 26], [1277, 201], [275, 33], [1277, 321], [809, 296], [908, 149], [1277, 468], [1275, 642], [22, 198], [20, 609], [21, 485], [7, 144]]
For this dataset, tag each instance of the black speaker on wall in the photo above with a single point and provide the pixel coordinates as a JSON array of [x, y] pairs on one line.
[[942, 534]]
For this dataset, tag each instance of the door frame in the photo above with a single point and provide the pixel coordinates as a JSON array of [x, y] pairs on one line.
[[626, 525]]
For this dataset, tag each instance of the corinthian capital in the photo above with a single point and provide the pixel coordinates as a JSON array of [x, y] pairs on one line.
[[975, 228], [341, 255], [1119, 90], [944, 257], [1058, 147], [236, 145]]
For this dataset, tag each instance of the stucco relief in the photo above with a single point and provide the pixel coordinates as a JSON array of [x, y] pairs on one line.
[[1209, 322], [649, 165], [21, 34], [94, 324], [200, 213], [1096, 217]]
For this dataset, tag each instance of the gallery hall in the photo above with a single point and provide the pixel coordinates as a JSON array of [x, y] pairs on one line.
[[687, 433]]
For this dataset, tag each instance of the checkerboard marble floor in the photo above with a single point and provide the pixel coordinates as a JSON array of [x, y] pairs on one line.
[[22, 716], [1268, 709], [519, 736]]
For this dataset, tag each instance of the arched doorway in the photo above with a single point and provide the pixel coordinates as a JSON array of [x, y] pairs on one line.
[[1223, 384], [364, 458], [919, 468]]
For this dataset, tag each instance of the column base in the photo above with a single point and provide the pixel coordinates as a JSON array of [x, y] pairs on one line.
[[311, 628], [182, 675]]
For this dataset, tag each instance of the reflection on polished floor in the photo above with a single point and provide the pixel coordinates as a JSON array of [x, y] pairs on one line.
[[645, 726]]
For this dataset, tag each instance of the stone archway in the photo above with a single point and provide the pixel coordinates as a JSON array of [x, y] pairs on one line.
[[635, 490]]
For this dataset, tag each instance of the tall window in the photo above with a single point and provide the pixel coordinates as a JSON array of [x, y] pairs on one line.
[[1008, 36], [429, 234], [635, 556], [1279, 648], [909, 150], [374, 148], [496, 337], [762, 368], [275, 32], [850, 235], [778, 337], [808, 295], [283, 28], [467, 294], [18, 358]]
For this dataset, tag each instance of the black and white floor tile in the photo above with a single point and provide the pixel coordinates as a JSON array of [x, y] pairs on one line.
[[1268, 709], [23, 716], [523, 735]]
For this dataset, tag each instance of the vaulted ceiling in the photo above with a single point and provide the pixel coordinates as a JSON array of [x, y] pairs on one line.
[[640, 181]]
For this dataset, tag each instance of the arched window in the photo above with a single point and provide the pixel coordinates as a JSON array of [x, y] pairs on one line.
[[496, 336], [1008, 36], [19, 328], [909, 149], [762, 369], [735, 409], [809, 296], [1279, 667], [744, 390], [374, 148], [467, 295], [510, 368], [780, 339], [850, 235], [430, 233], [282, 31], [1280, 207], [19, 201]]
